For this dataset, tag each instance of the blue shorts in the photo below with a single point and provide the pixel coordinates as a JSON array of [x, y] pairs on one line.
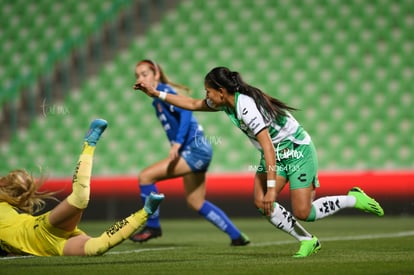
[[198, 155]]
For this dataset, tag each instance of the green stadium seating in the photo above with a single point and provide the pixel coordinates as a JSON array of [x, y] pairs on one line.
[[35, 36], [347, 65]]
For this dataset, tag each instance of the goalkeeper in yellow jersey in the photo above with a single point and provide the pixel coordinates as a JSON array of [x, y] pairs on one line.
[[56, 232]]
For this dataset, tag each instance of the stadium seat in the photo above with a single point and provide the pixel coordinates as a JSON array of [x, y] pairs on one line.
[[346, 66]]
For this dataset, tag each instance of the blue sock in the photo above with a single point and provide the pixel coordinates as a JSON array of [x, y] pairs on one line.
[[154, 219], [217, 217]]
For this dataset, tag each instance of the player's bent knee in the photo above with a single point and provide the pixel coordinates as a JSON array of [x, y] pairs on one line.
[[145, 178], [301, 214]]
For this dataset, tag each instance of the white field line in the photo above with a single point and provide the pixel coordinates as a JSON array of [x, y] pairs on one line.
[[346, 238], [15, 257], [331, 239], [108, 253], [140, 250]]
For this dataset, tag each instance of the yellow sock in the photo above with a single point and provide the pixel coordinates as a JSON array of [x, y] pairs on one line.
[[87, 149], [81, 178], [116, 234]]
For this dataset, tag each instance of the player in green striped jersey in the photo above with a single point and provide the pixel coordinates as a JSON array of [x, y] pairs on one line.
[[287, 154]]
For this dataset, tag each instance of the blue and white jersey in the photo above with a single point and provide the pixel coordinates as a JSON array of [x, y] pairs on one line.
[[180, 125]]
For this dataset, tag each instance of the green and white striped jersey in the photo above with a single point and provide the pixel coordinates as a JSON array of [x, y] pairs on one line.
[[247, 117]]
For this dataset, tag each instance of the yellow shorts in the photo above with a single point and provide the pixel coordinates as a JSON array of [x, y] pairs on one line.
[[53, 239], [34, 235]]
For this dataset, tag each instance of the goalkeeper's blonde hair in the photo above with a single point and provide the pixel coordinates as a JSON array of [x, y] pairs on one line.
[[20, 189]]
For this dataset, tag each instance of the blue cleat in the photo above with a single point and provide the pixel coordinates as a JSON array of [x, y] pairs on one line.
[[95, 131], [152, 202]]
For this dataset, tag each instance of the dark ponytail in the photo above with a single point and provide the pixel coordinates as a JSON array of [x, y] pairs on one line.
[[271, 108]]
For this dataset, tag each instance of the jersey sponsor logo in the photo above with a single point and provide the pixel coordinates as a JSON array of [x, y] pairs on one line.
[[302, 177]]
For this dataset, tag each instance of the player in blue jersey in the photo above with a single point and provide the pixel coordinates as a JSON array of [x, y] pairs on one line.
[[189, 157], [56, 232], [287, 154]]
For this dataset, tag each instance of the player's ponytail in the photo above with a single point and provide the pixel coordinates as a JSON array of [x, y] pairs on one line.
[[271, 108], [155, 67]]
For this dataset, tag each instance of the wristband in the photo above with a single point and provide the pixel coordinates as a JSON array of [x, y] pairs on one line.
[[162, 95], [271, 183]]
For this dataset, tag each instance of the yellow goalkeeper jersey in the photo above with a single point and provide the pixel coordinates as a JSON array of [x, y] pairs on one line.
[[24, 234]]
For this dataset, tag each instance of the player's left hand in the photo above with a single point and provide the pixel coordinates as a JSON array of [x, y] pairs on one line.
[[174, 151]]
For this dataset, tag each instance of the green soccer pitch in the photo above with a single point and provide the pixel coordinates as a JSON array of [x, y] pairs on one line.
[[350, 245]]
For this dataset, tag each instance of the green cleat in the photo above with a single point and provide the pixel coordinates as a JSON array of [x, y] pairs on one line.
[[308, 247], [365, 203], [152, 202]]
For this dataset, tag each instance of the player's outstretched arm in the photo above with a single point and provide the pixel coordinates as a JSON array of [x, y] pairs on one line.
[[181, 101]]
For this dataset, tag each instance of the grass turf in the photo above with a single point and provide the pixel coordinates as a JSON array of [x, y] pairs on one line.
[[350, 245]]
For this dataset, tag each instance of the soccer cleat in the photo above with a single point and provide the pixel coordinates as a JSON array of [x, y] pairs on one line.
[[240, 241], [308, 247], [95, 131], [365, 203], [152, 202], [146, 234]]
